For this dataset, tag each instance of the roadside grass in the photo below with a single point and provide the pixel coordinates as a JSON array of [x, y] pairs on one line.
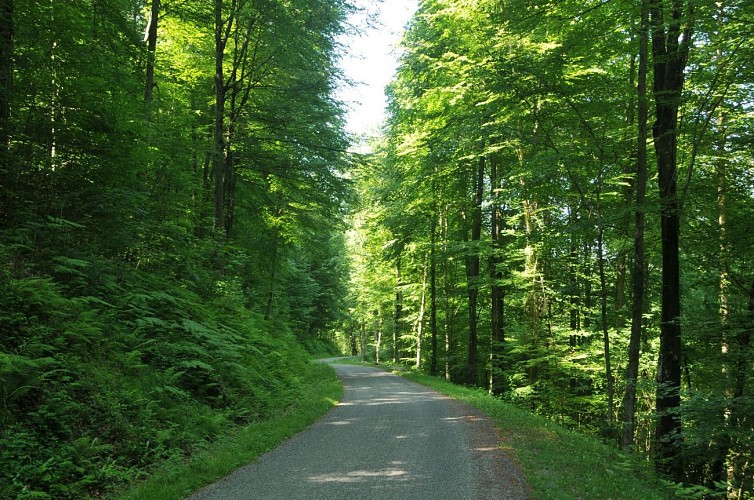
[[558, 463], [179, 478]]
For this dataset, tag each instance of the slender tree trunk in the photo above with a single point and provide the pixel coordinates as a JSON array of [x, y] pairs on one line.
[[56, 111], [219, 131], [398, 312], [723, 444], [605, 332], [496, 383], [6, 94], [353, 340], [362, 339], [573, 278], [378, 343], [637, 270], [472, 273], [587, 270], [670, 52], [420, 319], [433, 293], [151, 39], [740, 468], [532, 296], [628, 194], [448, 316], [229, 178], [6, 72]]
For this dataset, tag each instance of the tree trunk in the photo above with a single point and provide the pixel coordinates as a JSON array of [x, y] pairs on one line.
[[740, 478], [378, 343], [496, 383], [573, 285], [398, 313], [472, 273], [587, 270], [6, 71], [6, 93], [219, 131], [151, 39], [448, 316], [362, 339], [629, 182], [605, 332], [433, 294], [669, 54], [637, 271], [420, 319]]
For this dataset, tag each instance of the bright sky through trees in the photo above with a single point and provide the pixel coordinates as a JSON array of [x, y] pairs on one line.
[[370, 58]]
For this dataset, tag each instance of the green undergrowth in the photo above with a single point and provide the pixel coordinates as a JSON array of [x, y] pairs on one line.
[[110, 372], [558, 463], [179, 478]]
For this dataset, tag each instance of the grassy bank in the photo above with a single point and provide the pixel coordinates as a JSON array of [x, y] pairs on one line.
[[558, 463], [179, 478]]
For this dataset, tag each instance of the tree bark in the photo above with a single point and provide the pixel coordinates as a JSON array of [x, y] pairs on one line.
[[6, 70], [433, 294], [398, 313], [496, 383], [362, 339], [378, 343], [420, 319], [219, 130], [739, 481], [472, 273], [605, 331], [637, 270], [670, 52], [151, 40], [6, 93]]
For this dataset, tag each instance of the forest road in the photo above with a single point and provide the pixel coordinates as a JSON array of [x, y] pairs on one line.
[[388, 439]]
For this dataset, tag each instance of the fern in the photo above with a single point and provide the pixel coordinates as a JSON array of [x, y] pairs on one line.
[[20, 374], [69, 266]]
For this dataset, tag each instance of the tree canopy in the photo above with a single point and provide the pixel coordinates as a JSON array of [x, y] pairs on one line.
[[575, 178], [558, 210]]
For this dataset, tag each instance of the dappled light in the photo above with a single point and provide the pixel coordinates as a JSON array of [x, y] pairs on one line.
[[555, 213], [362, 476]]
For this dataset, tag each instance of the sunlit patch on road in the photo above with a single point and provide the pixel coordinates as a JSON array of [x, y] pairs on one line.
[[359, 476]]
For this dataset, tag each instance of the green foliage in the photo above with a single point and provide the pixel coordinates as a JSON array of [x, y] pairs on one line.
[[98, 387], [536, 104], [177, 479], [132, 332]]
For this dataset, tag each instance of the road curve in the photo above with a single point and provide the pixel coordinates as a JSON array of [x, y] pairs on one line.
[[388, 439]]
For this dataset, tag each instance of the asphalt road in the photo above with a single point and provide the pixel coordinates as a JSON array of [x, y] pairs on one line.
[[388, 439]]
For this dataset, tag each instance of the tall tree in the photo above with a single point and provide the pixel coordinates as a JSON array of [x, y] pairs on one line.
[[497, 289], [6, 94], [637, 270], [473, 269]]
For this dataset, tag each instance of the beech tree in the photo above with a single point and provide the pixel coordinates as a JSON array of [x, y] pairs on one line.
[[129, 325], [516, 157]]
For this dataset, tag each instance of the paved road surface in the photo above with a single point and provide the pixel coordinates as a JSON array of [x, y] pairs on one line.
[[388, 439]]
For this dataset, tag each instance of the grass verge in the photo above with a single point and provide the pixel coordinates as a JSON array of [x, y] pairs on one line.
[[178, 479], [558, 463]]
